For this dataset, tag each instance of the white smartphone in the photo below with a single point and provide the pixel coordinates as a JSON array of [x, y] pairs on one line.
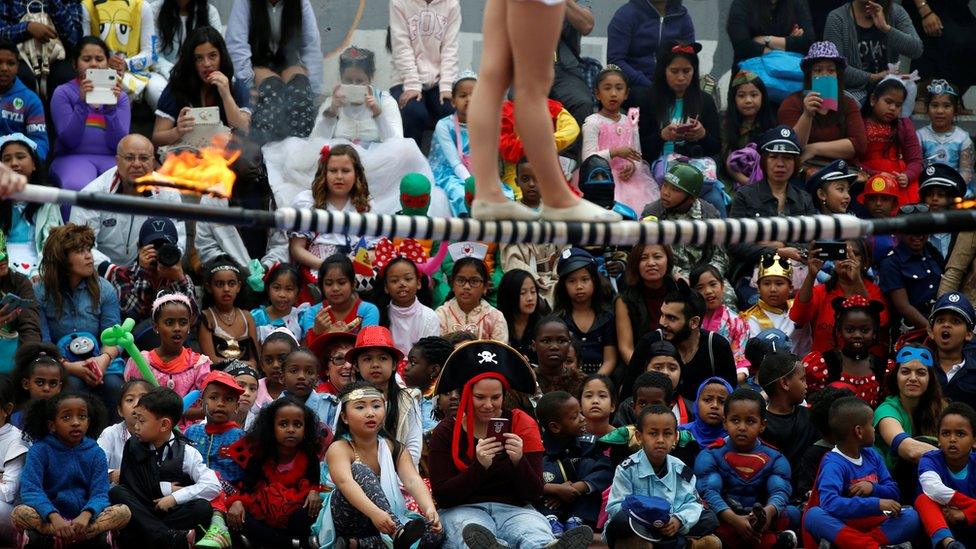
[[205, 116], [104, 82], [355, 94]]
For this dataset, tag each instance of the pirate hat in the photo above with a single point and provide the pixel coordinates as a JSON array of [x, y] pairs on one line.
[[474, 358]]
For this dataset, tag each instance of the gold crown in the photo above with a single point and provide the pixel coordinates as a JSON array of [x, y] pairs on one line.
[[774, 265]]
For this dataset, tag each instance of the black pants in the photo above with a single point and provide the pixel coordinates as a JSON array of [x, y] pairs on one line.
[[420, 116], [261, 535], [151, 528], [571, 90]]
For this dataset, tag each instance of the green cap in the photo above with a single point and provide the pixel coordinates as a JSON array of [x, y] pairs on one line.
[[685, 177], [3, 246], [414, 194]]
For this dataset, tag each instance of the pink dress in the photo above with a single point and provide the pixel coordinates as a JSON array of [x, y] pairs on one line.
[[182, 374], [641, 189]]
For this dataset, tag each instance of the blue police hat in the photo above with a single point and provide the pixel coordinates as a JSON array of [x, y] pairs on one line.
[[942, 175], [781, 139], [775, 339], [955, 302], [838, 170], [572, 259], [647, 515]]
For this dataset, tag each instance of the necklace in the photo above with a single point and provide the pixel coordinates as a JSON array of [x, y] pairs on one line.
[[229, 318]]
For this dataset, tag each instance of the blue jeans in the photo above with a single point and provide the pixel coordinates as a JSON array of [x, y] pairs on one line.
[[517, 527], [109, 392]]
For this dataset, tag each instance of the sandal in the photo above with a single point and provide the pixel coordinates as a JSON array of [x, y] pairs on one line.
[[409, 533]]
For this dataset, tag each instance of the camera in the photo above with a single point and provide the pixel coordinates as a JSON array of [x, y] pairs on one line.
[[167, 254]]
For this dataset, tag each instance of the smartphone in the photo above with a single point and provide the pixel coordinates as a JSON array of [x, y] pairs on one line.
[[498, 426], [104, 82], [14, 301], [355, 94], [830, 250], [205, 116], [687, 126]]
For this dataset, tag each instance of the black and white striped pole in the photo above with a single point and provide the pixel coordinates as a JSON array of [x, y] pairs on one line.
[[719, 231]]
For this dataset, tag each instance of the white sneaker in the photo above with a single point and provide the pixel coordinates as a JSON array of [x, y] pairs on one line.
[[507, 210], [583, 211]]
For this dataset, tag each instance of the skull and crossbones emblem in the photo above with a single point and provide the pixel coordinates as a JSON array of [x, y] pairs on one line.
[[486, 356]]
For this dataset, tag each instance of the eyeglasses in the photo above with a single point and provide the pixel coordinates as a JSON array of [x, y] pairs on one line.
[[142, 158], [470, 282], [913, 208], [338, 360]]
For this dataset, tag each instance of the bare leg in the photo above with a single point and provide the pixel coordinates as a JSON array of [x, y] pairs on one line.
[[484, 112], [533, 32], [292, 72], [261, 74]]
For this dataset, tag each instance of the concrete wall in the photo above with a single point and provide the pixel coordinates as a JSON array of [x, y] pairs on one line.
[[364, 22]]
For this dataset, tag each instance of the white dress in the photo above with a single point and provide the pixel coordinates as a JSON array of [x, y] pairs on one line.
[[387, 156]]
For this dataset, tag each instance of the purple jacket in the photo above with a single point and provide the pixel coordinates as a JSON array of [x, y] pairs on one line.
[[637, 31], [84, 129]]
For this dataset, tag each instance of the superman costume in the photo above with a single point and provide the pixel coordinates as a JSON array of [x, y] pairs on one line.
[[855, 521], [728, 477]]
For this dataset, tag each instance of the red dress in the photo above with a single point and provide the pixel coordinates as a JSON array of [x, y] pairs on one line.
[[866, 388], [884, 155]]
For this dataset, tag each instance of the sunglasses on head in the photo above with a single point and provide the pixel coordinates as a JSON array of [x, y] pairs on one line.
[[769, 260]]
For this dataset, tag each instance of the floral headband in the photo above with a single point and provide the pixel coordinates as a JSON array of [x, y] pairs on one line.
[[941, 86], [744, 77], [359, 394]]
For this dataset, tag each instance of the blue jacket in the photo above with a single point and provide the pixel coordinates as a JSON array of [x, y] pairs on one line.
[[637, 32], [21, 111], [635, 476], [78, 314], [209, 445], [936, 480], [65, 479], [579, 459], [760, 476]]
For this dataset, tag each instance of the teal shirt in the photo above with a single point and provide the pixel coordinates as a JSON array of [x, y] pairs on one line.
[[891, 407]]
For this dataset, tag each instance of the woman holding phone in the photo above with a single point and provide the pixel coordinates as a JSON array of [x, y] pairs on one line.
[[87, 133], [202, 77], [485, 482]]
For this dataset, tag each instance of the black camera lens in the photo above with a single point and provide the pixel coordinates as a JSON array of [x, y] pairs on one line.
[[168, 254]]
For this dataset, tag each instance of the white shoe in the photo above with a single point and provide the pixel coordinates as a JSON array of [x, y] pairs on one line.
[[507, 210], [583, 211]]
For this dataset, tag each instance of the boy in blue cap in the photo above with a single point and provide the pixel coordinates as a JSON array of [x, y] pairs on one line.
[[652, 472], [951, 330], [938, 188]]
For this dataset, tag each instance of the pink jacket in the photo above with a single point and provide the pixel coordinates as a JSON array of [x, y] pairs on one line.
[[425, 39], [182, 382]]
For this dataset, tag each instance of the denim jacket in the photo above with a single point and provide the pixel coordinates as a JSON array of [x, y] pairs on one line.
[[78, 314], [636, 476]]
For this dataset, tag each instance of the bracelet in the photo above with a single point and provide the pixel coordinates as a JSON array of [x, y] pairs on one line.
[[896, 442]]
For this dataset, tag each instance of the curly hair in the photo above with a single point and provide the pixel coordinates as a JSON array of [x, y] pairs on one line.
[[41, 412], [360, 189], [264, 446], [55, 275]]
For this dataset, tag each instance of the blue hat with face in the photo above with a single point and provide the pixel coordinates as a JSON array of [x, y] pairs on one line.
[[955, 302], [647, 515], [781, 139]]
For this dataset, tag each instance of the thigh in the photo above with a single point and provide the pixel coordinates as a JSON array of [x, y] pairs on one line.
[[522, 527], [75, 170], [292, 71], [189, 515], [261, 74], [456, 518], [533, 32], [496, 53], [572, 91]]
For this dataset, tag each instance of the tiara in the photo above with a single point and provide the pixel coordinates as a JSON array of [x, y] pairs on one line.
[[466, 74], [610, 67], [224, 267], [359, 394], [941, 86], [169, 298]]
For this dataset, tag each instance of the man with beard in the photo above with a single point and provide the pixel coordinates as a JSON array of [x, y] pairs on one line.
[[703, 354]]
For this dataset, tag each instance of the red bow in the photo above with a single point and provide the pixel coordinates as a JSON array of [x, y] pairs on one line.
[[856, 301], [324, 154], [387, 251], [690, 50]]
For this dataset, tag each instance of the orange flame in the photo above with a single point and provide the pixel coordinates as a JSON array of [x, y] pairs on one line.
[[965, 204], [206, 172]]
